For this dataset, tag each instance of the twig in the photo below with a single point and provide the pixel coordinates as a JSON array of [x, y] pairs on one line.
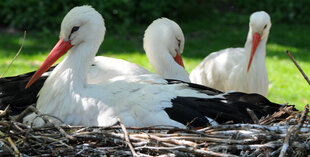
[[301, 120], [256, 153], [23, 114], [15, 55], [133, 152], [4, 112], [293, 131], [179, 140], [2, 134], [53, 140], [188, 149], [3, 144], [286, 143], [247, 126], [299, 68], [253, 116], [13, 146], [275, 116], [222, 140], [275, 152], [52, 122]]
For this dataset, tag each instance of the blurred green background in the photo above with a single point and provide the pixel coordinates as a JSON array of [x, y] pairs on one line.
[[208, 25]]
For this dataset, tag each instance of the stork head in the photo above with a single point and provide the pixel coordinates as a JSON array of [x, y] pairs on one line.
[[259, 30], [81, 24], [167, 34]]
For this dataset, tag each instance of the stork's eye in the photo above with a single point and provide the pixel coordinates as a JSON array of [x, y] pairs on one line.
[[179, 42], [74, 29], [265, 26]]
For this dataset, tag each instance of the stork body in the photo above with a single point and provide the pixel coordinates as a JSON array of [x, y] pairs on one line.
[[163, 43], [157, 47], [105, 68], [239, 69], [67, 95]]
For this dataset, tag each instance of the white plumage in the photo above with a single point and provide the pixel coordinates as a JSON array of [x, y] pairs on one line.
[[67, 95], [137, 100], [163, 44], [105, 68], [230, 69]]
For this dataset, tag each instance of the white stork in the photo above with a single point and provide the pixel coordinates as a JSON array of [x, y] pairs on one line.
[[239, 69], [67, 95], [163, 44]]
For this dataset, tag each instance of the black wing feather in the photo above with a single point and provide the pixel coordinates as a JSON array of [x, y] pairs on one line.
[[13, 91], [230, 108], [197, 87]]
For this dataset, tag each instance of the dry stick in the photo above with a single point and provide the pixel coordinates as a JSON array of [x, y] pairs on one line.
[[2, 134], [302, 72], [16, 126], [173, 141], [294, 131], [62, 131], [52, 140], [257, 152], [133, 152], [286, 141], [302, 120], [275, 152], [274, 116], [181, 140], [3, 143], [189, 150], [4, 112], [22, 115], [89, 136], [13, 146], [253, 116], [268, 145], [15, 55]]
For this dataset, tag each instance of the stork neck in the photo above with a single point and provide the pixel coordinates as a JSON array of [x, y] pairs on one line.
[[75, 64], [164, 64]]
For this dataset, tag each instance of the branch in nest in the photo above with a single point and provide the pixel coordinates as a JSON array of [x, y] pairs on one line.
[[51, 122], [222, 140], [302, 120], [299, 68], [133, 152], [4, 112], [293, 131], [22, 115], [253, 116], [13, 146]]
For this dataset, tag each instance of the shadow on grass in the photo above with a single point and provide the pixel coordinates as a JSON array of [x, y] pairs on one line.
[[201, 39], [34, 44]]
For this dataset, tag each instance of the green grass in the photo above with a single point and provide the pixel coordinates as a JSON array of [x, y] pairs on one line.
[[202, 37]]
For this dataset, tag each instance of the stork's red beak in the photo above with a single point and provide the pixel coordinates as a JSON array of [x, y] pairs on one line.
[[255, 42], [178, 59], [59, 49]]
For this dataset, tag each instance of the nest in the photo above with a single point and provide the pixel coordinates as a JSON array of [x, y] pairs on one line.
[[271, 136]]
